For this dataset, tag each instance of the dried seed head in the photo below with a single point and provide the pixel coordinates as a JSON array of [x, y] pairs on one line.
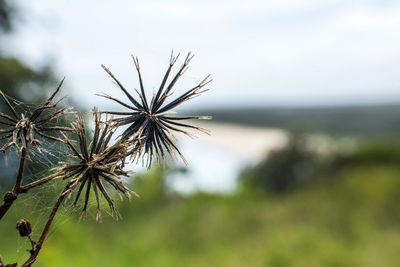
[[24, 227], [21, 130], [150, 127], [95, 164]]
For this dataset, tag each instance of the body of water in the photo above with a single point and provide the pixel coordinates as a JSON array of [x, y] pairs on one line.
[[215, 160]]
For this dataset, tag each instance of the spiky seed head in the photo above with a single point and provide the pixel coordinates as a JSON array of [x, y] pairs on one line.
[[95, 164], [150, 123], [21, 130]]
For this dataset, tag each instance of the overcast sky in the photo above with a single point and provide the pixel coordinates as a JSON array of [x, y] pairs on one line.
[[294, 52]]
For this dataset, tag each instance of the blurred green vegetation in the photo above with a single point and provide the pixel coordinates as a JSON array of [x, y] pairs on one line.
[[301, 163], [284, 169], [350, 218]]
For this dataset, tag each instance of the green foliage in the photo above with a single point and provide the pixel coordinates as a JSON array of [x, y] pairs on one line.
[[284, 169], [351, 220], [379, 151], [297, 165]]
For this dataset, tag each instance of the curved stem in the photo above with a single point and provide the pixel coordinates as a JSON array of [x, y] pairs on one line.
[[38, 246], [11, 196]]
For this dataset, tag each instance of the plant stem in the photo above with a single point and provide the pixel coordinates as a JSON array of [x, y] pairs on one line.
[[11, 196], [26, 188], [20, 170], [38, 246]]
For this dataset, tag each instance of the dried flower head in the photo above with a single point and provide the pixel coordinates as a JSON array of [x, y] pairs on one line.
[[22, 129], [150, 126], [95, 164]]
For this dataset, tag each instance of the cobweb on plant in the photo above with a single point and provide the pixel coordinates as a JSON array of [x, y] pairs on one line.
[[37, 203]]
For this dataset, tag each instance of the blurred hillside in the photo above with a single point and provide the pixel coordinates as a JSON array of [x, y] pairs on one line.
[[362, 121]]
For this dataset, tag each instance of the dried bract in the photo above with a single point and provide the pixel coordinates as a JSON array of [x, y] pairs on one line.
[[21, 129], [150, 125]]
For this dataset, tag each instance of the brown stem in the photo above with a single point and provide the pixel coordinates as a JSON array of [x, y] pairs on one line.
[[11, 196], [20, 171], [26, 188], [38, 246]]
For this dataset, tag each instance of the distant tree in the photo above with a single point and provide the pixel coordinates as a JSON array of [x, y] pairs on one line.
[[284, 169], [16, 78], [6, 12]]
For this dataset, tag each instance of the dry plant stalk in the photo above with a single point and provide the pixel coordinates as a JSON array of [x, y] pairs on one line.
[[101, 161], [22, 130]]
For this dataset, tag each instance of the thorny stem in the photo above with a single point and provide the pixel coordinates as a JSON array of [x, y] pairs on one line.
[[35, 251], [11, 196]]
